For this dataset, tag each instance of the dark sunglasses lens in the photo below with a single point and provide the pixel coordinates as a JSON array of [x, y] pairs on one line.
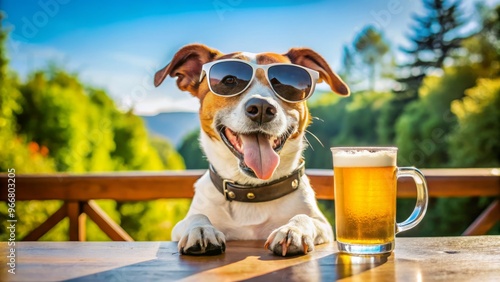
[[230, 78], [290, 82]]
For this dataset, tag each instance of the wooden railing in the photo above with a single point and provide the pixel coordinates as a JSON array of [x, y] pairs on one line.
[[78, 191]]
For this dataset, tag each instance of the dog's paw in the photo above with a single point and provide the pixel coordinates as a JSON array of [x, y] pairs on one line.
[[289, 240], [202, 240]]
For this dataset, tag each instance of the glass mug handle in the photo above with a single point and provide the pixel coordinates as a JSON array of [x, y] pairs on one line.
[[422, 198]]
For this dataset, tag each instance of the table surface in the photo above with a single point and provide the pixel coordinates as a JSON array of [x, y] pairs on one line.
[[414, 259]]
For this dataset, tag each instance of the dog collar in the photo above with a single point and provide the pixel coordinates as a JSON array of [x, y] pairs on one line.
[[273, 190]]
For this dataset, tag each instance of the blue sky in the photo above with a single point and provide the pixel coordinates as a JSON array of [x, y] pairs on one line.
[[118, 45]]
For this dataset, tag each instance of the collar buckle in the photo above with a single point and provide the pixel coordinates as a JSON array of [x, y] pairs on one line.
[[229, 195]]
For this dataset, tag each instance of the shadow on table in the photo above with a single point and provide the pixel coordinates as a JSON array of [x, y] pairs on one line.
[[170, 266], [329, 268]]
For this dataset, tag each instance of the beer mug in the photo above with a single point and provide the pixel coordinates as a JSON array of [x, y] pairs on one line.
[[365, 198]]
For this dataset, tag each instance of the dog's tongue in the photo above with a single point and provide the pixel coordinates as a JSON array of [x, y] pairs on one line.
[[259, 155]]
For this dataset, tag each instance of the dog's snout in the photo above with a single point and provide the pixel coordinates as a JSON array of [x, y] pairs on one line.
[[260, 110]]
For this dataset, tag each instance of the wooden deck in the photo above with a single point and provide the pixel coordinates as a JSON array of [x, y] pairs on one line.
[[79, 190]]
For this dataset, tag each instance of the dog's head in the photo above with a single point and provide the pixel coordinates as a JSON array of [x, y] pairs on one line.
[[253, 116]]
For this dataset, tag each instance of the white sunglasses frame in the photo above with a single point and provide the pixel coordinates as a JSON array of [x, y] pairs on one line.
[[205, 71]]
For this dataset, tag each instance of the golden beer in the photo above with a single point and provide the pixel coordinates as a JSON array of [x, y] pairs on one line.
[[365, 198], [365, 204]]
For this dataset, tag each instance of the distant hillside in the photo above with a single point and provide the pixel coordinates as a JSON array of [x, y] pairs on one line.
[[173, 126]]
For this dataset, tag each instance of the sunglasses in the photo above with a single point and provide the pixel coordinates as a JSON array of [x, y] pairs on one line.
[[231, 77]]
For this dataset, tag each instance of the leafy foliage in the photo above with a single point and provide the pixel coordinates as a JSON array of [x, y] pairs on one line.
[[53, 122], [170, 158], [15, 149], [191, 151], [474, 143], [425, 123], [434, 38]]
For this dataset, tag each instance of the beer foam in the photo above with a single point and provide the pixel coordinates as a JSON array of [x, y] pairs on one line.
[[364, 158]]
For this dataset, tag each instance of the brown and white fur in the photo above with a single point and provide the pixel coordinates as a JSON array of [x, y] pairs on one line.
[[292, 224]]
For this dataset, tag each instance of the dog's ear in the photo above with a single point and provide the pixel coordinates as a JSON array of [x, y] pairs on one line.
[[186, 66], [310, 59]]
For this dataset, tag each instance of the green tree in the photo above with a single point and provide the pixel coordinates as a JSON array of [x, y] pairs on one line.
[[54, 122], [475, 142], [170, 158], [371, 46], [435, 35], [100, 137], [463, 135], [191, 151], [328, 113], [54, 111], [423, 129], [133, 150], [359, 123], [424, 125], [16, 151], [434, 38], [369, 55], [81, 126]]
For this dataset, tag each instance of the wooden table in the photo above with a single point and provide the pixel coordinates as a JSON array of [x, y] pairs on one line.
[[415, 259]]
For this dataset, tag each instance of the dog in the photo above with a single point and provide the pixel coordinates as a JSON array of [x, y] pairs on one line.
[[253, 116]]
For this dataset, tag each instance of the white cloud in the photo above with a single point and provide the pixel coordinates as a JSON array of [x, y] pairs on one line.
[[150, 107]]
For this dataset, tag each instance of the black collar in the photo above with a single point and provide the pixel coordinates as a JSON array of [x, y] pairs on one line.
[[257, 193]]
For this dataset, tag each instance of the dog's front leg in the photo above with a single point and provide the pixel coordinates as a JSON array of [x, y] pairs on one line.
[[299, 236], [197, 236]]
